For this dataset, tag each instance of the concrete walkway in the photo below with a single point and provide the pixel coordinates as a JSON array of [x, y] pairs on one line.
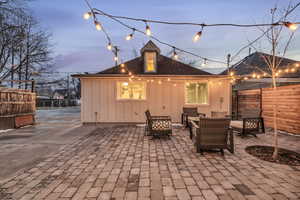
[[111, 163], [24, 148]]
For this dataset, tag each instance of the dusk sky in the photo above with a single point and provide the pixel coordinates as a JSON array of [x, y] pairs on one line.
[[79, 47]]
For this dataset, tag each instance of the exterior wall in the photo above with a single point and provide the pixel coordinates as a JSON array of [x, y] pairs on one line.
[[99, 103]]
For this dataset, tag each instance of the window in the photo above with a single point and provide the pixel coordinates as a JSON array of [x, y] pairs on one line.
[[196, 93], [131, 90], [150, 62]]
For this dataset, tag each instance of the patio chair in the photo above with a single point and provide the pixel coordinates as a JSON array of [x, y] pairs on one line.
[[213, 133], [190, 112], [250, 122], [158, 126]]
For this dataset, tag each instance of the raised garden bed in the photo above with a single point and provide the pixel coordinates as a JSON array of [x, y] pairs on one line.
[[265, 153]]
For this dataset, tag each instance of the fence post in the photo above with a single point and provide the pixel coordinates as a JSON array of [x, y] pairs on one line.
[[32, 85]]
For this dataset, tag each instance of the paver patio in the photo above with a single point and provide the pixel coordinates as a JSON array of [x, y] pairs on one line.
[[122, 163]]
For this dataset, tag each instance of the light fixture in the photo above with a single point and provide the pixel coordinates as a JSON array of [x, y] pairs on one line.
[[139, 79], [290, 25], [98, 25], [109, 46], [276, 74], [125, 84], [87, 15], [130, 36], [148, 30], [204, 62], [152, 81], [197, 36], [129, 73], [159, 82], [293, 70], [258, 76], [279, 71], [287, 70], [122, 65], [174, 84], [116, 58], [245, 78], [265, 74], [123, 70], [297, 65], [253, 75], [169, 79], [231, 73], [175, 55]]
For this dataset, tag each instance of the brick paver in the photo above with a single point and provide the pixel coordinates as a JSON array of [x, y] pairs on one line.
[[121, 163]]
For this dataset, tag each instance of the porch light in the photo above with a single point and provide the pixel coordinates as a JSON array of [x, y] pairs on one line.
[[169, 79], [290, 25], [297, 65], [279, 71], [265, 74], [286, 70], [123, 70], [159, 82], [152, 81], [98, 25], [125, 84], [276, 74], [253, 75], [87, 15], [174, 84], [258, 76], [129, 73], [293, 70], [197, 36]]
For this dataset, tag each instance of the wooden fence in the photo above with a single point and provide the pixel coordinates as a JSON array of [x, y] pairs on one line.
[[17, 108], [286, 98]]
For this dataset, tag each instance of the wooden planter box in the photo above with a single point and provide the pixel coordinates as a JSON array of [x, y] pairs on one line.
[[16, 121]]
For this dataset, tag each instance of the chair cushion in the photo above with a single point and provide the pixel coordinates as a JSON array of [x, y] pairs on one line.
[[161, 125], [236, 124]]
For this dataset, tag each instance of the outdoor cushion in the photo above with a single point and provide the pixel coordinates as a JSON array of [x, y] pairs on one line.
[[236, 124], [161, 125]]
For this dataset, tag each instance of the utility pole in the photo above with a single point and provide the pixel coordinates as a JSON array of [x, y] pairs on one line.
[[68, 87], [228, 63], [27, 57], [12, 67]]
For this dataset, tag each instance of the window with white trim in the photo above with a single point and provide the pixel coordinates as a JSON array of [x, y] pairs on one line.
[[196, 93], [150, 61], [131, 90]]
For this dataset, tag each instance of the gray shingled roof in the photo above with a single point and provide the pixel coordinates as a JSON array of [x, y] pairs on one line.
[[165, 65], [255, 63]]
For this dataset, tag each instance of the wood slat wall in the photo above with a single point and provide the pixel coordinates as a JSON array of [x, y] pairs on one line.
[[14, 101], [287, 100], [99, 103]]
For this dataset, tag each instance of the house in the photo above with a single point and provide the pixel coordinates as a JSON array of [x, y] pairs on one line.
[[158, 83], [255, 64]]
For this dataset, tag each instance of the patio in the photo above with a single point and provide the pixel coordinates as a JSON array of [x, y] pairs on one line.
[[119, 162]]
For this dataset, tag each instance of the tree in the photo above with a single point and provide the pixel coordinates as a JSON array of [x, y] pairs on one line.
[[24, 48], [278, 48]]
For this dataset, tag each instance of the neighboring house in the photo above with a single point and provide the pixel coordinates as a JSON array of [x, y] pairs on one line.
[[60, 94], [255, 63], [160, 84]]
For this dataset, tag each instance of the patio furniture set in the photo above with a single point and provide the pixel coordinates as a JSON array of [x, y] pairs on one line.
[[206, 133]]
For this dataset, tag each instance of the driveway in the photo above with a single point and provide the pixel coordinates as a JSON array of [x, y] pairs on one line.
[[25, 147]]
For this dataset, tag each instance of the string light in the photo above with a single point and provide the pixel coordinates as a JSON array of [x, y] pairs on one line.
[[287, 70], [87, 15], [175, 55], [197, 36], [116, 58], [130, 36], [265, 74], [204, 62], [109, 46], [159, 82], [152, 80], [293, 70], [98, 25], [123, 70], [246, 78], [291, 26], [174, 84], [129, 73], [253, 75], [148, 30], [297, 65], [122, 65], [231, 73], [169, 79], [258, 76]]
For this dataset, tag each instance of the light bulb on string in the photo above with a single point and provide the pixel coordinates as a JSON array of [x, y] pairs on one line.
[[130, 36], [231, 73], [245, 78], [148, 30], [293, 70], [287, 70], [204, 62], [169, 79], [109, 46], [265, 74], [129, 73], [116, 58], [253, 75], [197, 36], [291, 26], [123, 70], [122, 65], [175, 55], [87, 15], [98, 25], [297, 65], [258, 76]]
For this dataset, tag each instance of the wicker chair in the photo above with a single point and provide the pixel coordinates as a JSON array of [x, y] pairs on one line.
[[190, 112], [213, 133], [158, 126]]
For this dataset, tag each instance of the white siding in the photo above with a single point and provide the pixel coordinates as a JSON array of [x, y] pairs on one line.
[[99, 103]]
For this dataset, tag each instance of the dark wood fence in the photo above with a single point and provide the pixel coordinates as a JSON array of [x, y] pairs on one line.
[[286, 98], [17, 108]]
